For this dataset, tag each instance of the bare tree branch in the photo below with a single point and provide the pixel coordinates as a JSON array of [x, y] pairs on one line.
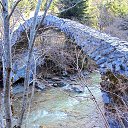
[[2, 5], [15, 5], [65, 10], [45, 12], [33, 33]]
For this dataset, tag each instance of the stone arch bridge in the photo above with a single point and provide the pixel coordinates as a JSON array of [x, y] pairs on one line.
[[109, 53]]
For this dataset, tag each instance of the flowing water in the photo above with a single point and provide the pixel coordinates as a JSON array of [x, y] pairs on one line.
[[56, 108]]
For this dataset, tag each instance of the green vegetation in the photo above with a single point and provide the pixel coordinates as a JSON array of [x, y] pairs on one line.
[[84, 11], [118, 7], [109, 16], [25, 6], [74, 9]]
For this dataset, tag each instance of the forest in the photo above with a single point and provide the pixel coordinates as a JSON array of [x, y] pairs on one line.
[[63, 63]]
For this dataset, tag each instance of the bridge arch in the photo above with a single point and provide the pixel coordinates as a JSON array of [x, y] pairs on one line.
[[109, 53]]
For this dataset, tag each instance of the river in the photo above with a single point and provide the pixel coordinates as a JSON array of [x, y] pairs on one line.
[[57, 108]]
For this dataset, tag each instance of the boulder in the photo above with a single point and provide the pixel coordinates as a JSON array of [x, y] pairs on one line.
[[40, 86], [56, 79], [106, 97]]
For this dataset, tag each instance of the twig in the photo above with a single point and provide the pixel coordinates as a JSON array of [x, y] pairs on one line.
[[119, 116], [2, 5], [45, 12], [95, 101], [15, 5], [65, 10]]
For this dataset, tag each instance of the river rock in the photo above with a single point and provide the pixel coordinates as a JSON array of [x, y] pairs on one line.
[[64, 74], [56, 79], [106, 98], [74, 88], [59, 84], [40, 86], [18, 89], [78, 90]]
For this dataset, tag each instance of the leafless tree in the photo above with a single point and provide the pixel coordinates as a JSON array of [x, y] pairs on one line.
[[33, 33], [7, 61]]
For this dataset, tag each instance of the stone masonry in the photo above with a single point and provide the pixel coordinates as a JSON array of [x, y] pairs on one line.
[[108, 52]]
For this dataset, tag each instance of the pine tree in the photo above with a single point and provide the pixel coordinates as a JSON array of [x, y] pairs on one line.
[[74, 9]]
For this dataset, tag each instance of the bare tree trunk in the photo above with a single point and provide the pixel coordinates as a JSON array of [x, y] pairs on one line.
[[2, 101], [7, 65], [31, 44], [33, 33], [1, 122], [1, 118]]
